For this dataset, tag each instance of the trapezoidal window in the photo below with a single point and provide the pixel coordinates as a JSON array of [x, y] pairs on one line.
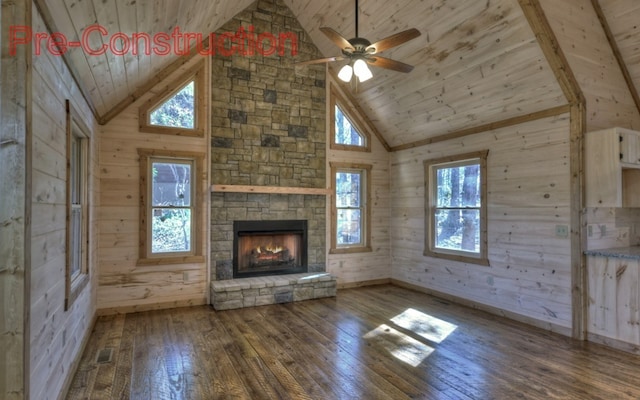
[[179, 109], [345, 128]]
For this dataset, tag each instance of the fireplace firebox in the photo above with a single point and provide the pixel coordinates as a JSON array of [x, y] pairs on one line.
[[269, 248]]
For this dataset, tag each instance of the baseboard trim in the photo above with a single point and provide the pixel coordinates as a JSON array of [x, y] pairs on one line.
[[150, 307], [373, 282], [614, 343], [548, 326]]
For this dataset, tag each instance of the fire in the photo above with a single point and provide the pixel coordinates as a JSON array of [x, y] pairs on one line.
[[270, 248]]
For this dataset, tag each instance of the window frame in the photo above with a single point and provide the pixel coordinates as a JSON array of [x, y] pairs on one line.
[[195, 74], [430, 168], [145, 254], [365, 200], [78, 132], [335, 99]]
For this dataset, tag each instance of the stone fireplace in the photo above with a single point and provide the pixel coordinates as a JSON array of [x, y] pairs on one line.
[[269, 248], [268, 165]]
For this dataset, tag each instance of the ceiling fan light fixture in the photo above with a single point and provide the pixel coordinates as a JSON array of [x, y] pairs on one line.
[[361, 70], [345, 73]]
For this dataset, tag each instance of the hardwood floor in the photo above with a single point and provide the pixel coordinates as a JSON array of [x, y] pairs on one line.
[[381, 342]]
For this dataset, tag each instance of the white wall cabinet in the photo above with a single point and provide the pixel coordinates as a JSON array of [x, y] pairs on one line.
[[612, 168]]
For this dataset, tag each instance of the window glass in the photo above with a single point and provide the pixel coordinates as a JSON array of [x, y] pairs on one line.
[[456, 220], [349, 208], [178, 111], [345, 132], [171, 207]]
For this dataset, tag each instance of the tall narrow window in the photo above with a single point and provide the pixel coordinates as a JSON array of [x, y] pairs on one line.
[[77, 253], [170, 225], [350, 219], [346, 129], [456, 208], [178, 110]]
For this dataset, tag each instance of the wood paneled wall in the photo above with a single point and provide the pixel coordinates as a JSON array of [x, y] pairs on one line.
[[359, 268], [124, 286], [57, 336], [584, 43], [529, 276], [14, 212]]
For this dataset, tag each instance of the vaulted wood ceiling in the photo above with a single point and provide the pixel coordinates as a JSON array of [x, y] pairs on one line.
[[476, 62]]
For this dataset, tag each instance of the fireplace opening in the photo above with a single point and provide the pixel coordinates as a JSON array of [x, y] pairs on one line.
[[269, 247]]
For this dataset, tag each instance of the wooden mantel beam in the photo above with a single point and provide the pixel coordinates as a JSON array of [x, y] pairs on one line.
[[269, 190]]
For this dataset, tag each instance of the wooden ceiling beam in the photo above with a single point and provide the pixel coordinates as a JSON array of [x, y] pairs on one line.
[[551, 48]]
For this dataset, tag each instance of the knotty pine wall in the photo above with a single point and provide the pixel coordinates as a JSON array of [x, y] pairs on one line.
[[529, 277], [584, 43], [56, 335], [369, 267], [14, 222], [123, 286]]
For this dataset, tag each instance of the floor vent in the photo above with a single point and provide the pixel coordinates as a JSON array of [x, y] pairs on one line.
[[104, 356]]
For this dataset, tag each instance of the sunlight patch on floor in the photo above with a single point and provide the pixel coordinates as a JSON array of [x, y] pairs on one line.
[[430, 328], [403, 347]]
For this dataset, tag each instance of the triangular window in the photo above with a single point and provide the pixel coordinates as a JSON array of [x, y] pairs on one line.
[[347, 125], [179, 109], [345, 132]]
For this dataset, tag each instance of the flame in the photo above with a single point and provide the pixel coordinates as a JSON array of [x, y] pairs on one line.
[[270, 248]]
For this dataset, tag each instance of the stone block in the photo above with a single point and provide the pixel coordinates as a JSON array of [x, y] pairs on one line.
[[227, 305], [303, 293], [298, 131], [265, 300], [284, 297]]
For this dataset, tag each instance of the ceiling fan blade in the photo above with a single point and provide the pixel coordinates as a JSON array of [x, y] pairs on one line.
[[388, 63], [336, 38], [319, 61], [393, 40]]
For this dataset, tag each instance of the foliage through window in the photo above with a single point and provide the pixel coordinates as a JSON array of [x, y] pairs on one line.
[[170, 224], [178, 111], [456, 196], [171, 208], [351, 216], [346, 130]]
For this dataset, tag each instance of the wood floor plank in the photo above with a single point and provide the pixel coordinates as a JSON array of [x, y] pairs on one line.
[[381, 342]]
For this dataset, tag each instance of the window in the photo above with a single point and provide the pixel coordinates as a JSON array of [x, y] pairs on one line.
[[77, 253], [178, 110], [350, 214], [455, 189], [345, 133], [171, 199]]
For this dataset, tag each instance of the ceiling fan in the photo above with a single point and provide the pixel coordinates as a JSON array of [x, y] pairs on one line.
[[360, 52]]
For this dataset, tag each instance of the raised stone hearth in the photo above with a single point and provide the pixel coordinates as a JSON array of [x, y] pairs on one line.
[[276, 289]]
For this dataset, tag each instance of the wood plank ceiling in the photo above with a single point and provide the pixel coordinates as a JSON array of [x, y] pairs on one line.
[[476, 62]]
